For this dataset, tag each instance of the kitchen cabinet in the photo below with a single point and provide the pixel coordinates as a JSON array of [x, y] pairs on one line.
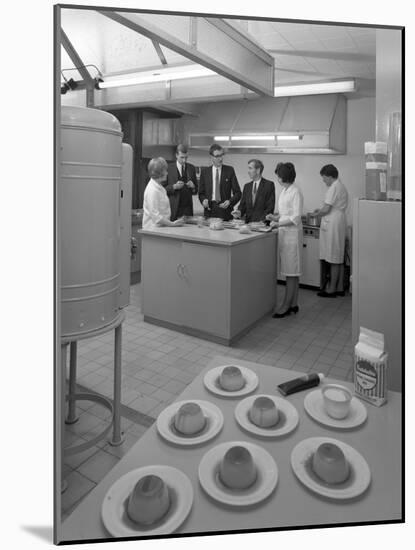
[[311, 258], [212, 284], [377, 277], [310, 275]]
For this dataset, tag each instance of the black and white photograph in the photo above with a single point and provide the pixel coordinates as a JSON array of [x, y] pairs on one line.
[[229, 220], [228, 272]]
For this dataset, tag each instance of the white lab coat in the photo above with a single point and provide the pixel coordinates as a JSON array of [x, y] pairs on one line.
[[333, 225], [290, 238], [156, 205]]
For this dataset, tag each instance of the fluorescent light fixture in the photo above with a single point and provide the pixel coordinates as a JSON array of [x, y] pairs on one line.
[[288, 137], [245, 138], [156, 75], [332, 87], [252, 138]]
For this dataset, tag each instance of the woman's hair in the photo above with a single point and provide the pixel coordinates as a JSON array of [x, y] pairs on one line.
[[157, 167], [329, 170], [286, 171]]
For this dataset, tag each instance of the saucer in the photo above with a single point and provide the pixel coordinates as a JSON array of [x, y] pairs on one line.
[[211, 382], [214, 423], [113, 510], [355, 485], [313, 404], [265, 483], [287, 422]]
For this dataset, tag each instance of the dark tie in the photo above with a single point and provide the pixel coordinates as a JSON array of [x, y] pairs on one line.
[[217, 189], [254, 192]]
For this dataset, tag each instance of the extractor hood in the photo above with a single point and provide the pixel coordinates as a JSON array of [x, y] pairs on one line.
[[294, 125]]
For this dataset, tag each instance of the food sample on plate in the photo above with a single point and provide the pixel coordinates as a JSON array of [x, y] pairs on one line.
[[330, 464], [149, 501], [237, 469], [263, 412], [231, 379], [189, 419], [244, 229]]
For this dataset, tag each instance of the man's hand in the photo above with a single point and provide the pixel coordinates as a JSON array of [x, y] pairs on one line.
[[178, 185], [272, 217], [205, 203], [190, 184], [224, 204], [178, 223], [236, 214]]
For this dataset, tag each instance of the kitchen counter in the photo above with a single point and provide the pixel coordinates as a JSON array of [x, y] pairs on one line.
[[378, 440], [212, 284], [192, 233]]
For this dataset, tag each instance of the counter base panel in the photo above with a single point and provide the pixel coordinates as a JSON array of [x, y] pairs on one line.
[[202, 334]]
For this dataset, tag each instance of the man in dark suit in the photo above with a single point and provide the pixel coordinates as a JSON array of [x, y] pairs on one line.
[[258, 195], [181, 184], [219, 189]]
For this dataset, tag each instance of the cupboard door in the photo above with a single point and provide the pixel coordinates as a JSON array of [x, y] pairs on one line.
[[162, 283], [311, 262], [206, 292]]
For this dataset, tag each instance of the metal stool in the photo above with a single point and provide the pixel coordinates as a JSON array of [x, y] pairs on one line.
[[73, 397]]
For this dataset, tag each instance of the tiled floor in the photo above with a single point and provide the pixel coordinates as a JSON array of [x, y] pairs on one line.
[[158, 363]]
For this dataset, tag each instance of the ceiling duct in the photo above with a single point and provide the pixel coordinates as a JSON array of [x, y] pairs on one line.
[[301, 124]]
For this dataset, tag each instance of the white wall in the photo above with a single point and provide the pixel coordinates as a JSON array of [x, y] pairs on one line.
[[361, 124]]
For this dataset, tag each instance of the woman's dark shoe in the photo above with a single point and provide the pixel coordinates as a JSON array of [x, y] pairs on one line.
[[295, 309], [324, 294], [279, 315], [340, 293]]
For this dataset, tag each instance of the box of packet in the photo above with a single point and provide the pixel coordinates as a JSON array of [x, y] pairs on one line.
[[370, 367]]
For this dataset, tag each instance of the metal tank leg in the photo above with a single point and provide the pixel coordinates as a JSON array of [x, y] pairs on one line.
[[72, 418], [64, 483], [117, 436]]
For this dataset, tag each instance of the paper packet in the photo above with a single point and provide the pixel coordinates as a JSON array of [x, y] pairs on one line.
[[370, 367]]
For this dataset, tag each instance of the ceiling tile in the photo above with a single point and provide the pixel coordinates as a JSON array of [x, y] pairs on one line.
[[340, 43], [328, 31], [361, 31]]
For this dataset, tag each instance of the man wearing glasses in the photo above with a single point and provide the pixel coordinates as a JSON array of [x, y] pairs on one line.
[[219, 189]]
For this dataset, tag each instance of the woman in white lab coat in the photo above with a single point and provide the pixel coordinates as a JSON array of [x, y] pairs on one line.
[[156, 204], [290, 236], [333, 230]]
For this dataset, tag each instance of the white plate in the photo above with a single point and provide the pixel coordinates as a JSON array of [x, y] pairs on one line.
[[113, 509], [354, 486], [287, 422], [313, 404], [211, 381], [214, 423], [267, 475]]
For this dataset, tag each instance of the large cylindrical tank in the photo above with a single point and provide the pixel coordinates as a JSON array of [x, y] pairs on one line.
[[89, 219]]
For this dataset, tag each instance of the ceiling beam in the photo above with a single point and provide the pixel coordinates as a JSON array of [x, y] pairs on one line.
[[159, 51], [216, 45], [76, 60]]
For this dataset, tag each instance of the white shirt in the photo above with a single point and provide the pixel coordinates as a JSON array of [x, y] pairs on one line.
[[156, 205], [214, 197], [180, 168]]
